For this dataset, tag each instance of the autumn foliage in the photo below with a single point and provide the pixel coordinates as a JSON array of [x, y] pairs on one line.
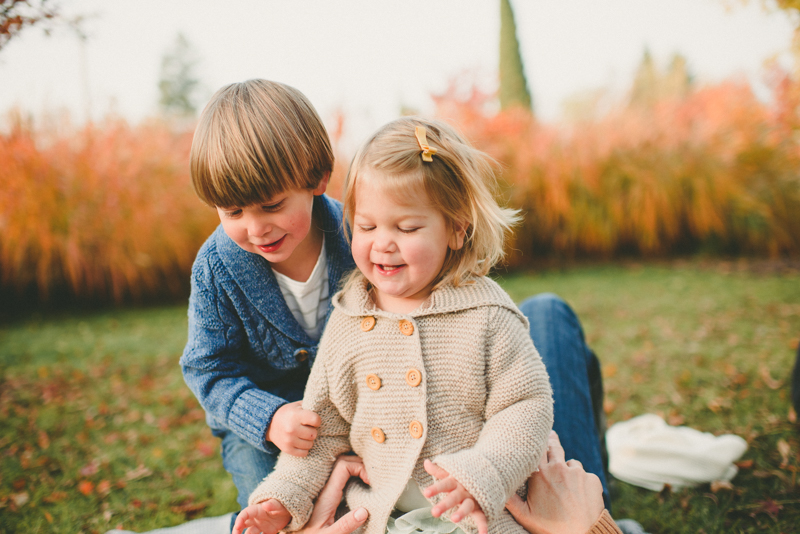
[[106, 211], [715, 172]]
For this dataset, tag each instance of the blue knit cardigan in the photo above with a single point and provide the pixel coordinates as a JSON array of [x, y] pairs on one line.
[[247, 355]]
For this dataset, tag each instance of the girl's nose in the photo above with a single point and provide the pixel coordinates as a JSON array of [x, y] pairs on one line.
[[384, 243]]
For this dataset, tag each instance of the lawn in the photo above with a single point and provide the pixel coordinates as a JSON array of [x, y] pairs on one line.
[[99, 430]]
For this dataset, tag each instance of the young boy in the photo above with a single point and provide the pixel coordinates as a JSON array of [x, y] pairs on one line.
[[262, 282]]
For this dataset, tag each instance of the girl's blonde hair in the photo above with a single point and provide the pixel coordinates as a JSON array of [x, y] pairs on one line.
[[459, 181], [256, 139]]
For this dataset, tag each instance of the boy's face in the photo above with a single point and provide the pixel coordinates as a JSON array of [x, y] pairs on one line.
[[277, 229]]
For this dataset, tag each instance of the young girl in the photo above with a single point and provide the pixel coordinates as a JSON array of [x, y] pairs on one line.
[[423, 357]]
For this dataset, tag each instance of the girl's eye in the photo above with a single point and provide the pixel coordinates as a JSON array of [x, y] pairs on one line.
[[408, 230], [365, 228]]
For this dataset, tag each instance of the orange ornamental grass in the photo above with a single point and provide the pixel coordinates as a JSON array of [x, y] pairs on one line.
[[716, 172], [105, 212]]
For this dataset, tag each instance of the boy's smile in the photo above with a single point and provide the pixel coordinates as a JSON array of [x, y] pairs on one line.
[[279, 230]]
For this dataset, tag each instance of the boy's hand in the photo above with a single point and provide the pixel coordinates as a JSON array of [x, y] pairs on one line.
[[293, 429], [456, 494], [268, 517]]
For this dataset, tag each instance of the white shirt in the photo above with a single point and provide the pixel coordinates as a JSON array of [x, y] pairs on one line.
[[308, 301]]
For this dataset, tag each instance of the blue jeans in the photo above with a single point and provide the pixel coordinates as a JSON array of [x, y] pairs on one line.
[[247, 465], [576, 380]]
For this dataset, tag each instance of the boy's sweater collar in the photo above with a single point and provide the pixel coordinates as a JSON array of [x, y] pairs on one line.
[[254, 276], [474, 294]]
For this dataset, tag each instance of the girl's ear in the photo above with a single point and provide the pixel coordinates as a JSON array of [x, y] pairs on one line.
[[457, 236], [323, 184]]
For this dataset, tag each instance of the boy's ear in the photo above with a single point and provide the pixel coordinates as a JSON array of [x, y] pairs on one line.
[[323, 184], [457, 236]]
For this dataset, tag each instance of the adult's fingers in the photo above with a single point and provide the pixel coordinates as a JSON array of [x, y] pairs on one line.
[[349, 523], [555, 452], [516, 506], [574, 463]]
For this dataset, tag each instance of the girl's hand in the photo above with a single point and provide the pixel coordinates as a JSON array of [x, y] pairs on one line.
[[456, 494], [268, 517], [321, 521], [293, 429]]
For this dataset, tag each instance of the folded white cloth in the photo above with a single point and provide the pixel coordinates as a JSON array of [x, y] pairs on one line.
[[645, 451]]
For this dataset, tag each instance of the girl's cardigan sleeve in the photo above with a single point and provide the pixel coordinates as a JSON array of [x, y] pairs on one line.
[[296, 482], [518, 415]]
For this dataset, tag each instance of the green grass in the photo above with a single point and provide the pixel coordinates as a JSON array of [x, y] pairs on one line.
[[99, 429]]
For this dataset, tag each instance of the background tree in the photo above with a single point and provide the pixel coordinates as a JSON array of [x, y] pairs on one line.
[[513, 85], [18, 14], [651, 85], [178, 83]]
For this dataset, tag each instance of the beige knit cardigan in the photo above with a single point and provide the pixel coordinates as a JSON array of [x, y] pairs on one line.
[[483, 405]]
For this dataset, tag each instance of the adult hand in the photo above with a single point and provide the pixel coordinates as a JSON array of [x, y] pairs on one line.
[[321, 521], [562, 497], [293, 429]]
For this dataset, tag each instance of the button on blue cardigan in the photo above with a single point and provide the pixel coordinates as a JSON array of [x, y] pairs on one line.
[[242, 359]]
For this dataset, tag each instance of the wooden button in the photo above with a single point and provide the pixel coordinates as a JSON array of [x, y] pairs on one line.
[[406, 327], [373, 382], [413, 377], [415, 429], [301, 355], [367, 323], [378, 435]]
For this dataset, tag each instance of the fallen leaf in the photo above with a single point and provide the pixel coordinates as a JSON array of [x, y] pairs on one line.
[[140, 472], [104, 487], [744, 464], [43, 440], [784, 449], [769, 507], [609, 370], [90, 469], [792, 415], [767, 377], [190, 508], [86, 487], [205, 448], [719, 485], [48, 517]]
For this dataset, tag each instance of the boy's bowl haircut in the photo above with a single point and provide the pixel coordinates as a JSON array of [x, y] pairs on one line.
[[254, 140]]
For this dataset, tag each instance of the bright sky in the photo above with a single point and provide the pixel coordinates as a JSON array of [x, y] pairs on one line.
[[371, 57]]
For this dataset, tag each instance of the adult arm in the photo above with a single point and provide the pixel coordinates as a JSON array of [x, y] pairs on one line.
[[519, 416], [212, 362], [562, 497], [322, 518]]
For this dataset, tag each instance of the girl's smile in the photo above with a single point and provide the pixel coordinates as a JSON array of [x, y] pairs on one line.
[[399, 244]]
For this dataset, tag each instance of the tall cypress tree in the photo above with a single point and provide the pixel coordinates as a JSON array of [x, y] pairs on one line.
[[513, 85]]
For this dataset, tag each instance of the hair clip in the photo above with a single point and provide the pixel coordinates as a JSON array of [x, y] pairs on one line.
[[422, 139]]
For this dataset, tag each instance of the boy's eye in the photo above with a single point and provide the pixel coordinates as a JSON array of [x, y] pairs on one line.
[[233, 213], [272, 207]]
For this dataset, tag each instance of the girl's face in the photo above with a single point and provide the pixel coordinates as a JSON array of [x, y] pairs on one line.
[[400, 246]]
